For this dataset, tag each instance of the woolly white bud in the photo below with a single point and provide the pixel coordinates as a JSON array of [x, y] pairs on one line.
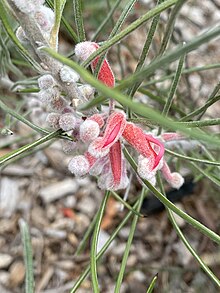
[[68, 75], [176, 181], [85, 49], [46, 81], [57, 104], [46, 96], [68, 146], [79, 166], [67, 121], [45, 18], [87, 91], [53, 120], [26, 6], [89, 130]]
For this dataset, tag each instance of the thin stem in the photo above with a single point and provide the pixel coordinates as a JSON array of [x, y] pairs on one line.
[[214, 163], [128, 245], [95, 237], [127, 205], [170, 26], [173, 89], [86, 236]]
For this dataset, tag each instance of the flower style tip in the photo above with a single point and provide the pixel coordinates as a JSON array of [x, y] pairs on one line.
[[174, 179], [84, 50], [114, 129]]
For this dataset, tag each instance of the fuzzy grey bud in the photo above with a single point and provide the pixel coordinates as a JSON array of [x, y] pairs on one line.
[[46, 81], [68, 146], [53, 120], [67, 121], [79, 166], [87, 91], [68, 75], [45, 18]]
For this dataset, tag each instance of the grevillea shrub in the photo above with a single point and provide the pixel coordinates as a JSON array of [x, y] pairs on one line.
[[99, 117]]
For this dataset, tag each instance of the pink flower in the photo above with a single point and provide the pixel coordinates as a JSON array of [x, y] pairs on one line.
[[115, 126]]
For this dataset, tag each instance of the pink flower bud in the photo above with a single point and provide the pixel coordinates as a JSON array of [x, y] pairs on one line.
[[97, 118], [57, 104], [67, 121], [68, 146], [46, 81], [84, 50], [79, 166], [89, 130], [53, 120]]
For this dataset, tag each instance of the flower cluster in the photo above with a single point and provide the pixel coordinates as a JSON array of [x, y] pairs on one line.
[[105, 137]]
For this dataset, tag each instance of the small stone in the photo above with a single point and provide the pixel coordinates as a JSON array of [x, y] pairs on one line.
[[58, 190], [17, 273], [5, 260]]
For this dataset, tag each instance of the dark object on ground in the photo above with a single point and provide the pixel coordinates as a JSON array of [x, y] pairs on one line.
[[152, 205]]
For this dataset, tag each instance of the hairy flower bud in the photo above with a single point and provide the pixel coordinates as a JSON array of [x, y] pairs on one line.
[[79, 166], [68, 75], [45, 18], [68, 146], [87, 91], [47, 95], [46, 81], [67, 121], [53, 120], [89, 130]]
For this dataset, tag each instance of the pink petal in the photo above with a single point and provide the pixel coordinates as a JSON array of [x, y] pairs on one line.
[[115, 156], [115, 126]]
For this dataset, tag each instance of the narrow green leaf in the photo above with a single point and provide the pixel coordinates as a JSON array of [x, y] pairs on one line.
[[128, 244], [77, 5], [95, 283], [28, 257], [170, 26], [58, 10], [152, 284], [29, 146]]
